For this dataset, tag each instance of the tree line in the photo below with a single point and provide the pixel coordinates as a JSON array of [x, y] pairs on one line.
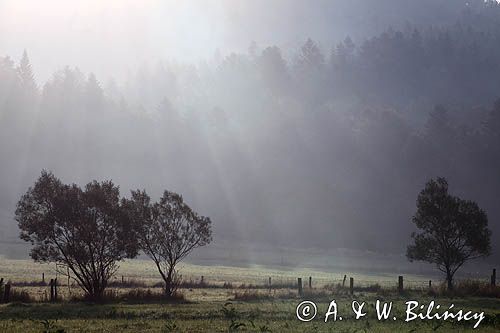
[[88, 231]]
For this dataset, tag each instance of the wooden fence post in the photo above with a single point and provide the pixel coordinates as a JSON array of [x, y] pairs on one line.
[[351, 285], [299, 285], [55, 290], [52, 290], [69, 286], [494, 277], [6, 295], [430, 284], [400, 284], [310, 282], [343, 282], [202, 281], [269, 282], [43, 278], [1, 290]]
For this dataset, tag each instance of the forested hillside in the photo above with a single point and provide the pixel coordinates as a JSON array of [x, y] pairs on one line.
[[330, 141]]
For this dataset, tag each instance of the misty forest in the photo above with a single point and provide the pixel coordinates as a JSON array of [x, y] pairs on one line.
[[333, 143], [311, 135]]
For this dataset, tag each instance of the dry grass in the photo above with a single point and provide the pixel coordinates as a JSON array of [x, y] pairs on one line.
[[138, 280], [467, 288], [251, 295], [22, 296], [138, 296]]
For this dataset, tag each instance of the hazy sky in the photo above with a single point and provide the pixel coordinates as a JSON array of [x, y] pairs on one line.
[[113, 36], [107, 36]]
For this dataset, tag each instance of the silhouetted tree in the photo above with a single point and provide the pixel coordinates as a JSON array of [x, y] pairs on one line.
[[85, 231], [310, 75], [93, 95], [26, 75], [170, 230], [274, 71], [310, 56], [453, 230]]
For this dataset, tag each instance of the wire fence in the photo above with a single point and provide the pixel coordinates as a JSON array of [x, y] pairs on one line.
[[273, 282], [47, 290]]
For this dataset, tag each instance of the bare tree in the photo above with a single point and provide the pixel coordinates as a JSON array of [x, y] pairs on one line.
[[84, 231], [170, 230]]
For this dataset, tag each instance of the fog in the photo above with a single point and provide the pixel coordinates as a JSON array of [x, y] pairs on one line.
[[292, 124], [112, 38]]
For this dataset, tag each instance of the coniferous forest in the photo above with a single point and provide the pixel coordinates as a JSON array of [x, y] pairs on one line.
[[335, 138]]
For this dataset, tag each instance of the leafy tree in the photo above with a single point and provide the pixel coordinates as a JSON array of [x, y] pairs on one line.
[[85, 230], [453, 230], [170, 230]]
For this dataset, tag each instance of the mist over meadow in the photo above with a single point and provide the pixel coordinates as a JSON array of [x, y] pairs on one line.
[[290, 123]]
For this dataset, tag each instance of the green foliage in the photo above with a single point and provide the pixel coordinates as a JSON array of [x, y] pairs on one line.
[[230, 312], [206, 316], [170, 327], [50, 326]]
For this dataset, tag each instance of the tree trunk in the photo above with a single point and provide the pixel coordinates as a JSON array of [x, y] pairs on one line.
[[169, 284], [96, 292], [449, 279], [168, 287]]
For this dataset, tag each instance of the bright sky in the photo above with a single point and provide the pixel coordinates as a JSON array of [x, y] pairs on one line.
[[110, 37], [97, 34]]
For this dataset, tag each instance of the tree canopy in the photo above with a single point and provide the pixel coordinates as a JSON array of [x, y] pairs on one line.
[[84, 230], [169, 231]]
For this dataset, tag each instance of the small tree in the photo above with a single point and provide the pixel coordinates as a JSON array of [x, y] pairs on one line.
[[453, 230], [85, 231], [170, 230]]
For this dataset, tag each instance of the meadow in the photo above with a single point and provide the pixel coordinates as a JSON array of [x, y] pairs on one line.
[[232, 299]]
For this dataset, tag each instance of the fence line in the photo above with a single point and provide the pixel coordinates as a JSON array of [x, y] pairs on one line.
[[399, 284]]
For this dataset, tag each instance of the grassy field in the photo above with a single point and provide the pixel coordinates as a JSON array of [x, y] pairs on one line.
[[144, 270], [246, 304], [217, 316]]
